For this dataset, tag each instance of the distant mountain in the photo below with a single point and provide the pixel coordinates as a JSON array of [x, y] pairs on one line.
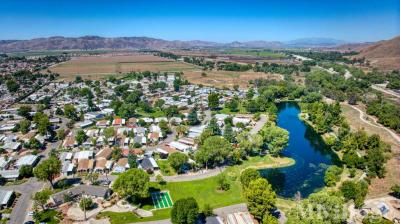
[[96, 42], [383, 54], [314, 42]]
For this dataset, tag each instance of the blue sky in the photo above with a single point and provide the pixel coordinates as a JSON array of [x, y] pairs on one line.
[[218, 20]]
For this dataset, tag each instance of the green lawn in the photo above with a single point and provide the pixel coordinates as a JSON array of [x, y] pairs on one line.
[[205, 190], [165, 168], [129, 217], [155, 113]]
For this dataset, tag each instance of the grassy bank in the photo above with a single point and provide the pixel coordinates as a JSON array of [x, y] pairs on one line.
[[205, 190]]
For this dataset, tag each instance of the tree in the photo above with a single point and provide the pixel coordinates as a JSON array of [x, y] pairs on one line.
[[275, 137], [12, 85], [133, 183], [70, 112], [395, 190], [86, 204], [41, 197], [375, 162], [177, 160], [269, 219], [184, 211], [192, 118], [248, 175], [319, 208], [92, 177], [26, 171], [181, 130], [214, 127], [214, 151], [223, 183], [61, 134], [213, 101], [48, 170], [132, 160], [24, 111], [228, 133], [24, 126], [355, 191], [43, 123], [332, 175], [80, 137], [260, 198], [165, 129], [116, 154], [109, 132]]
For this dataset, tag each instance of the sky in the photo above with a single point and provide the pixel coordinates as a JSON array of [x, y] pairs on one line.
[[217, 20]]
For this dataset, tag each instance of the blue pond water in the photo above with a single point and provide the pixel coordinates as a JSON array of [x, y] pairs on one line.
[[307, 148]]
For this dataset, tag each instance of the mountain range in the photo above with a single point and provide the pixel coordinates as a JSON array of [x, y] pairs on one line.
[[97, 42]]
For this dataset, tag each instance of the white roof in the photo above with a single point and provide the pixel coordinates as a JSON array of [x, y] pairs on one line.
[[26, 160], [5, 196], [221, 117], [179, 146], [153, 162], [83, 154]]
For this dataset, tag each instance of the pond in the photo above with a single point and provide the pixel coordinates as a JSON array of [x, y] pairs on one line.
[[307, 148]]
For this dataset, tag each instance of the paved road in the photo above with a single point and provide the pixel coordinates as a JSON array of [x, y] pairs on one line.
[[27, 189], [259, 124]]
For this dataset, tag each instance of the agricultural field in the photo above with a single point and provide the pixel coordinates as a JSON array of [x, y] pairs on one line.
[[227, 78], [97, 67], [256, 53]]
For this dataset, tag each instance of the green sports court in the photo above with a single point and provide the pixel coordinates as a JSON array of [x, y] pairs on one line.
[[161, 200]]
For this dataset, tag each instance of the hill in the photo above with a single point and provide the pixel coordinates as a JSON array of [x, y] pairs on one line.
[[383, 54], [140, 43]]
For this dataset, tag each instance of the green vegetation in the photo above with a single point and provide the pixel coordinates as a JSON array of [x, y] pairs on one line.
[[133, 184], [332, 175], [257, 53], [129, 217], [185, 210]]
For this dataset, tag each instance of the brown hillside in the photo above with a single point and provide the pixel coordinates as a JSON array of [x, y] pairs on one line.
[[383, 54]]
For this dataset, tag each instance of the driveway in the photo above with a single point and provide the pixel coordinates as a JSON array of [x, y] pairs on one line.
[[27, 190], [259, 124]]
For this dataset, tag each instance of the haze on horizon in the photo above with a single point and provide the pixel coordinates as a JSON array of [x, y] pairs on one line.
[[221, 21]]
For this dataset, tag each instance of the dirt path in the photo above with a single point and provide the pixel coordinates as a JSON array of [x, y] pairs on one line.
[[376, 87], [362, 118]]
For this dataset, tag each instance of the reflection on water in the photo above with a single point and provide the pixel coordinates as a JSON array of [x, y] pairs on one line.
[[307, 148]]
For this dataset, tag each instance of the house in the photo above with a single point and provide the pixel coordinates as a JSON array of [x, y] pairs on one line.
[[121, 165], [154, 136], [118, 121], [65, 156], [69, 142], [187, 141], [84, 124], [30, 160], [148, 120], [237, 120], [10, 174], [5, 162], [158, 119], [67, 168], [139, 131], [140, 139], [132, 122], [154, 128], [85, 165], [165, 151], [179, 146], [80, 191], [148, 164], [103, 123], [86, 154], [104, 153], [10, 146], [100, 166], [240, 218], [6, 198]]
